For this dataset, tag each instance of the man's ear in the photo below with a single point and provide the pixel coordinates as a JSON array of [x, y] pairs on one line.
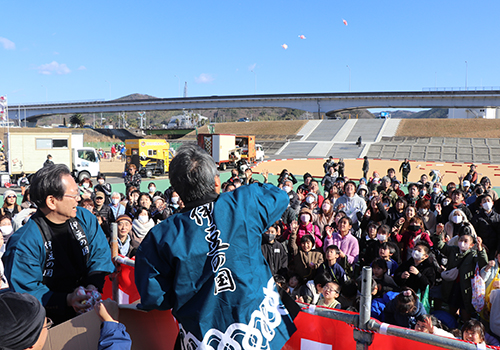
[[217, 184], [50, 201]]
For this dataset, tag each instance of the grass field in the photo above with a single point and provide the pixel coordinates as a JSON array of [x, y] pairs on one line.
[[271, 128], [477, 128]]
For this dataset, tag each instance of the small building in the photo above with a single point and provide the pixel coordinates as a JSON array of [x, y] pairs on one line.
[[471, 113]]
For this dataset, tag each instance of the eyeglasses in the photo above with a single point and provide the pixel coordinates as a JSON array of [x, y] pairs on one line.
[[99, 198], [49, 323], [11, 196], [76, 197], [331, 290]]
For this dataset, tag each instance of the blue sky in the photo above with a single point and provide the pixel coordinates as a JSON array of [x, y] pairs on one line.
[[72, 51]]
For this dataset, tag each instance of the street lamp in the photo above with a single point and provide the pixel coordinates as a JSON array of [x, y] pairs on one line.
[[466, 73], [349, 77]]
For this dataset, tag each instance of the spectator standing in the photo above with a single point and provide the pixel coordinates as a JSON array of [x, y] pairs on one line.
[[405, 169], [133, 178], [366, 167]]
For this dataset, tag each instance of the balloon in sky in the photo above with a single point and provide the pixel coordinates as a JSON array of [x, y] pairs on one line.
[[285, 46], [302, 36], [344, 21]]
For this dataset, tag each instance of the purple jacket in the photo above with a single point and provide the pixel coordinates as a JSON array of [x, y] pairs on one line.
[[349, 245]]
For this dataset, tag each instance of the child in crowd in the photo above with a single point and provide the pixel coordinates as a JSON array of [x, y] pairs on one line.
[[273, 251], [369, 245], [473, 331], [385, 283], [418, 272], [307, 261], [404, 309], [387, 251], [331, 267], [311, 291], [464, 257], [329, 296], [294, 285]]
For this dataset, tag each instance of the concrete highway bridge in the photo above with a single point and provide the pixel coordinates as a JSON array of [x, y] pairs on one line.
[[321, 103]]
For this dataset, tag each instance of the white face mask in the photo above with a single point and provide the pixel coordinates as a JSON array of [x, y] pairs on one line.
[[304, 218], [381, 238], [457, 219], [423, 211], [174, 200], [310, 199], [417, 255], [101, 181], [463, 246], [286, 189], [6, 230], [446, 203], [325, 207], [487, 206], [152, 189], [86, 185], [143, 218], [436, 190], [115, 201]]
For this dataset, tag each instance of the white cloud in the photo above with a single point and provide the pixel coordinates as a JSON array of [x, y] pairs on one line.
[[82, 68], [56, 53], [53, 68], [7, 44], [204, 78], [252, 67]]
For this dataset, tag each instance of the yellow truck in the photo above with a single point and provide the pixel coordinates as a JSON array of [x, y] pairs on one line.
[[150, 156]]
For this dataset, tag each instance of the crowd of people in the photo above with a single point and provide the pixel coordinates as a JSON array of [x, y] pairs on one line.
[[424, 244]]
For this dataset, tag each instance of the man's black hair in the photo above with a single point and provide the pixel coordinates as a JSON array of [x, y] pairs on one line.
[[47, 182]]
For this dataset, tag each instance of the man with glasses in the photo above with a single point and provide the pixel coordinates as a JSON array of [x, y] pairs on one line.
[[60, 249]]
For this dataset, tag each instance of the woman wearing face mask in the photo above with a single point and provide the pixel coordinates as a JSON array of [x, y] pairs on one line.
[[305, 226], [85, 187], [465, 256], [6, 228], [326, 215], [487, 224], [424, 212], [175, 203], [411, 236], [152, 190], [104, 187], [417, 272], [142, 223], [311, 203], [437, 195], [457, 222]]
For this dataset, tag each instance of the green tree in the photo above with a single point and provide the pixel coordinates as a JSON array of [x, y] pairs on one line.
[[77, 119]]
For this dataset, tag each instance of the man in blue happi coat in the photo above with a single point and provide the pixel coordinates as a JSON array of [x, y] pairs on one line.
[[60, 249], [206, 264]]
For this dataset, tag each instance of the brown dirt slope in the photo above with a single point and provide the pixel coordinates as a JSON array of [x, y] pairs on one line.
[[476, 128], [278, 129]]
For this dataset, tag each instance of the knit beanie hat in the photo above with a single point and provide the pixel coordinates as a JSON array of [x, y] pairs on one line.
[[21, 322]]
